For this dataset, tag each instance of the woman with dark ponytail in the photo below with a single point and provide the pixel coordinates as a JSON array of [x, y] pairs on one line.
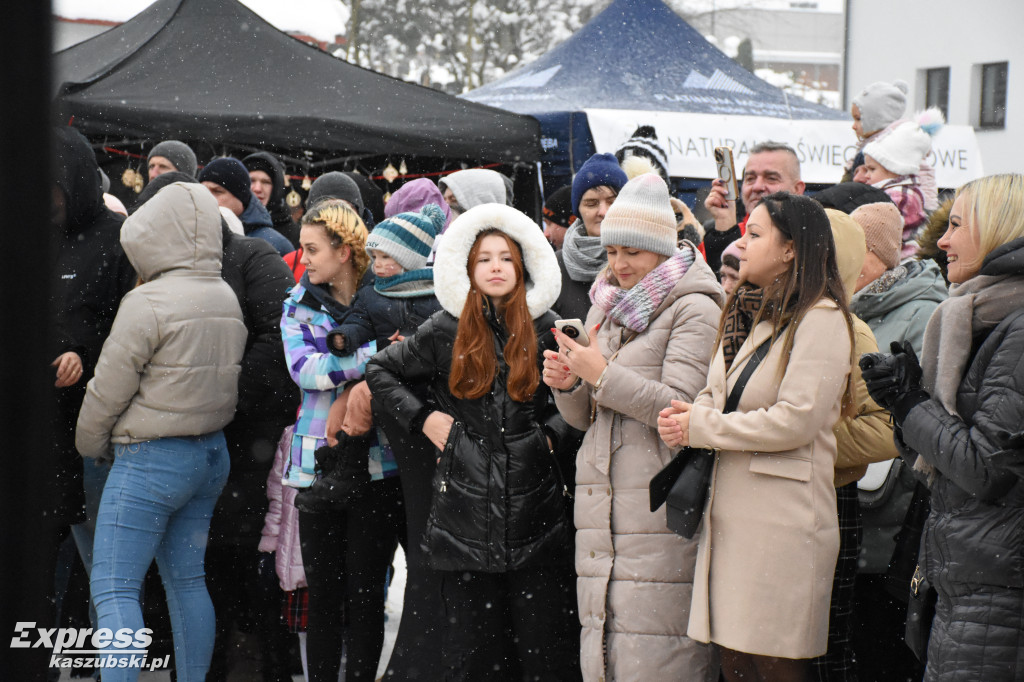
[[497, 527]]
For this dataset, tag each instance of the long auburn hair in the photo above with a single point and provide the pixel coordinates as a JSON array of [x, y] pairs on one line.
[[474, 363], [813, 275]]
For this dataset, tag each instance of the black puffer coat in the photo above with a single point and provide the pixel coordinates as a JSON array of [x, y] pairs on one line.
[[498, 494], [973, 545], [267, 396]]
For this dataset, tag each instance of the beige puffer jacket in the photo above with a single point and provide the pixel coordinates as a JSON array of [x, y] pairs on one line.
[[635, 576], [170, 365]]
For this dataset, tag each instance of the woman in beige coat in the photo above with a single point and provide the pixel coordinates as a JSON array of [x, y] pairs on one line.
[[653, 324], [768, 547]]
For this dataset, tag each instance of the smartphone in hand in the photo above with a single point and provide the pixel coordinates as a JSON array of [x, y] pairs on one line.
[[574, 330], [726, 171]]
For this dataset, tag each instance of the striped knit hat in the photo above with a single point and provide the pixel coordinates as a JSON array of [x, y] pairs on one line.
[[641, 217], [408, 237], [644, 142]]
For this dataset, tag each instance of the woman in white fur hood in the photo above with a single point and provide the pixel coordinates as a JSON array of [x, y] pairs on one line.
[[498, 528]]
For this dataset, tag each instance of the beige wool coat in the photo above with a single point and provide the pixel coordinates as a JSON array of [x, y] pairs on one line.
[[635, 576], [770, 538]]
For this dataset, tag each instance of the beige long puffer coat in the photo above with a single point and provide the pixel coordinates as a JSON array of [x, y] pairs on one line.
[[635, 576], [170, 365]]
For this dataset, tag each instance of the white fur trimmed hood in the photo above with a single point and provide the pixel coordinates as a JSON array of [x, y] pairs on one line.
[[451, 280]]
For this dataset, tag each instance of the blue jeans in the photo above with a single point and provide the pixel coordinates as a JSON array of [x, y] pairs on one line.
[[157, 502]]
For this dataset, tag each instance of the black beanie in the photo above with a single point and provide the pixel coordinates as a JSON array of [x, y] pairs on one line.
[[335, 185], [849, 196], [557, 208], [230, 174]]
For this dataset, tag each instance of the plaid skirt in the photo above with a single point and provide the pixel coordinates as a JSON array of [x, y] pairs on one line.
[[295, 609]]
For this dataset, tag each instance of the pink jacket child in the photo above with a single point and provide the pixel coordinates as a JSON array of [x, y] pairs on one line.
[[281, 524], [893, 162]]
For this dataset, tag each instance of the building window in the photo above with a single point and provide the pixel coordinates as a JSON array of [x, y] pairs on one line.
[[993, 95], [936, 89]]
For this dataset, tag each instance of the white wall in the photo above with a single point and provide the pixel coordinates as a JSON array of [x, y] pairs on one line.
[[890, 39], [67, 33]]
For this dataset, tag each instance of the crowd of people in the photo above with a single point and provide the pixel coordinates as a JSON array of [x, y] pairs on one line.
[[270, 407]]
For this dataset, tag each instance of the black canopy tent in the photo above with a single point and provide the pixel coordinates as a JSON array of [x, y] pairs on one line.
[[213, 71]]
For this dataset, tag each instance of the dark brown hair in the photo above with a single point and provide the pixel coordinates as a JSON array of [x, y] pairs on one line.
[[813, 274], [474, 362]]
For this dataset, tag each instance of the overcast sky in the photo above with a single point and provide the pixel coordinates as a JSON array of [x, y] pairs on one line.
[[322, 19]]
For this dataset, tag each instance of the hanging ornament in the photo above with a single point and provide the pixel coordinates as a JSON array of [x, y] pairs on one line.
[[390, 173], [128, 177], [387, 197], [306, 183], [287, 181], [137, 183], [293, 199], [402, 168]]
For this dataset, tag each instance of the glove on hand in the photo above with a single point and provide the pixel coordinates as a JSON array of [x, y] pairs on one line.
[[894, 380]]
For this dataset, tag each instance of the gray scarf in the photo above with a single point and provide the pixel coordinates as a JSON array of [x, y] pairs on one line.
[[583, 255], [975, 306]]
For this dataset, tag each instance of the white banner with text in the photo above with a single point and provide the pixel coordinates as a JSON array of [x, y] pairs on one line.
[[823, 147]]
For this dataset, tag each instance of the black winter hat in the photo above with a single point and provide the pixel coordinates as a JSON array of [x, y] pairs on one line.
[[558, 208], [849, 196], [335, 185], [229, 173]]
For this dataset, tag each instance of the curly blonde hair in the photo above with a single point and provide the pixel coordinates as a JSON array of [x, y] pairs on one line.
[[344, 227]]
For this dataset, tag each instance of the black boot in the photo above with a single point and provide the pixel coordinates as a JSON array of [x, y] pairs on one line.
[[343, 475]]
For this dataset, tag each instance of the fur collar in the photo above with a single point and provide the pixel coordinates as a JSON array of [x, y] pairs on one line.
[[451, 281]]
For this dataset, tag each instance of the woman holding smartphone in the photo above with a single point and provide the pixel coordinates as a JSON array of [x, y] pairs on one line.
[[656, 309], [497, 527], [770, 537]]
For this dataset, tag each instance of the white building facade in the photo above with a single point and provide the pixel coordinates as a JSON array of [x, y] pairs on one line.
[[966, 58]]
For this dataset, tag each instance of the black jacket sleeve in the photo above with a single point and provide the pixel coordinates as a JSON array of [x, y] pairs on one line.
[[962, 451], [565, 440], [264, 385], [715, 243], [392, 373], [356, 329]]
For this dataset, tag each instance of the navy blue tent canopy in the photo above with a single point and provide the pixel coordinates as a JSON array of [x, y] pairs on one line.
[[637, 55]]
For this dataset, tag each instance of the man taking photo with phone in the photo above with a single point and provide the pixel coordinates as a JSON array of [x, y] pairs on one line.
[[771, 167]]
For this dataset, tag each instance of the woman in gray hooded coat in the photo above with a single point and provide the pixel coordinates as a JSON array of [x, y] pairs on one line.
[[166, 383]]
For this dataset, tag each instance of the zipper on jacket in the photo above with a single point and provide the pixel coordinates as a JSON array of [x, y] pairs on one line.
[[448, 447], [558, 472]]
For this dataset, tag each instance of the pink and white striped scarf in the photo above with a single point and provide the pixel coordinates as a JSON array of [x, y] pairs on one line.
[[632, 308]]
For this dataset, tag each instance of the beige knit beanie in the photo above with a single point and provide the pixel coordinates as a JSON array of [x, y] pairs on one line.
[[641, 217], [883, 231]]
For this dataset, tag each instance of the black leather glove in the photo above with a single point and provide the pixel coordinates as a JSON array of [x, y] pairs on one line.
[[894, 380]]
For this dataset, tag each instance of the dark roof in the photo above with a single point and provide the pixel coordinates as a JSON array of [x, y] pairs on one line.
[[214, 70], [639, 54]]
